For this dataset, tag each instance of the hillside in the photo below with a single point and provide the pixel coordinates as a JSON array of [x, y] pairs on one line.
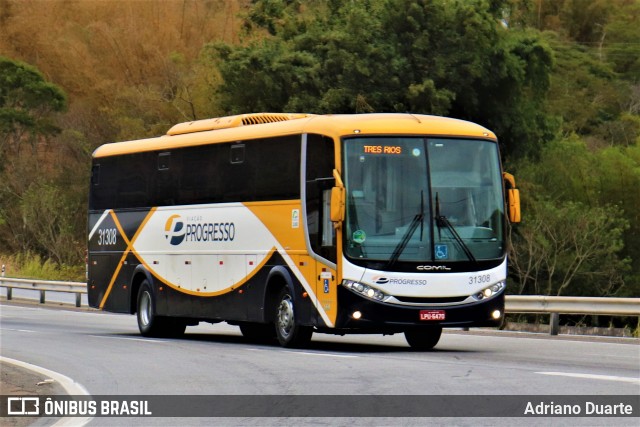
[[558, 80]]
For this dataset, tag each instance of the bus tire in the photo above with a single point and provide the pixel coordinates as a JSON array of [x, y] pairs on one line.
[[423, 338], [288, 331], [150, 324]]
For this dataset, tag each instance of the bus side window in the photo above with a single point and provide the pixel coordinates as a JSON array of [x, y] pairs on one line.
[[132, 184]]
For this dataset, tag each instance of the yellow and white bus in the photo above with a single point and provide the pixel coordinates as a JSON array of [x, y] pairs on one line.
[[289, 224]]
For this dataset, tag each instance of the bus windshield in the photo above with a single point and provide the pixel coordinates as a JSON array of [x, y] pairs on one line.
[[416, 199]]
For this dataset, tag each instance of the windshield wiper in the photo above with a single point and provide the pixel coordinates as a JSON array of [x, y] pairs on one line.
[[417, 220], [443, 221]]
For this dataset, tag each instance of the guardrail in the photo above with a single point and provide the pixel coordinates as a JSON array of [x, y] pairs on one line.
[[43, 286], [513, 303], [571, 305]]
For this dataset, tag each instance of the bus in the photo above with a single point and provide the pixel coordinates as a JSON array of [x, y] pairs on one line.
[[290, 224]]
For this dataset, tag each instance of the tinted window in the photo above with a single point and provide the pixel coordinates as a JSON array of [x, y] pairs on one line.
[[256, 170]]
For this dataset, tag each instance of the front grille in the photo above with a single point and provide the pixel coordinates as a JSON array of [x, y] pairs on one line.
[[432, 300]]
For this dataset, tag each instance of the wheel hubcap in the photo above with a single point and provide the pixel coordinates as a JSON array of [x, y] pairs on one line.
[[145, 308], [285, 316]]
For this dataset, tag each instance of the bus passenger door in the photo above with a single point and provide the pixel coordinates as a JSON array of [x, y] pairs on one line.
[[320, 164], [326, 285], [326, 290], [322, 280]]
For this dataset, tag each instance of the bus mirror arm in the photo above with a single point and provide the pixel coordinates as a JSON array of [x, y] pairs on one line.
[[337, 200], [513, 197], [336, 176]]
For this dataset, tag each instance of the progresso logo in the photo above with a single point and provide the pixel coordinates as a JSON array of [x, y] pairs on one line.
[[382, 280], [174, 230], [194, 229]]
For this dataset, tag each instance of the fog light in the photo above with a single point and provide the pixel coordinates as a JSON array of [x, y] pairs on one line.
[[496, 314], [356, 315]]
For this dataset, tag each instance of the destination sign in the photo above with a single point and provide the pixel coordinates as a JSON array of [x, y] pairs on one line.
[[382, 149]]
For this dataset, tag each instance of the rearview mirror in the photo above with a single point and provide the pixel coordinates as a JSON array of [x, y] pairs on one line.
[[337, 204], [513, 197]]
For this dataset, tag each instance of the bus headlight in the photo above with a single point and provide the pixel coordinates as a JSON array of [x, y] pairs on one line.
[[364, 290], [490, 291]]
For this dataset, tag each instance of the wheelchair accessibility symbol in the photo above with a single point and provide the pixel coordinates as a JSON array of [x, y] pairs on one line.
[[442, 252]]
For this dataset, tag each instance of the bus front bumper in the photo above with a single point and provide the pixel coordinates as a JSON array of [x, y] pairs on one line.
[[360, 314]]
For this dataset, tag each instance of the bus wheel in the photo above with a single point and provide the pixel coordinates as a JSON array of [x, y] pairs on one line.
[[423, 338], [288, 332], [151, 325]]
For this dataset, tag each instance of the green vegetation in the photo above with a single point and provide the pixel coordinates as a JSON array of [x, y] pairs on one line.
[[393, 56], [557, 80], [32, 266]]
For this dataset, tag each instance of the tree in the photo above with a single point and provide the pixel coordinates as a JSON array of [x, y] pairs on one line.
[[27, 101], [579, 20], [28, 104], [592, 204], [589, 97], [51, 214], [620, 44], [131, 70], [618, 180], [568, 248], [594, 86], [424, 56]]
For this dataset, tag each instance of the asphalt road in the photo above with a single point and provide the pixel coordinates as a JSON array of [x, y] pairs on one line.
[[105, 354]]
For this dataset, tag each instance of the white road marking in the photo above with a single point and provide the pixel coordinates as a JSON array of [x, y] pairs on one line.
[[147, 340], [593, 377], [309, 353], [72, 388], [18, 330]]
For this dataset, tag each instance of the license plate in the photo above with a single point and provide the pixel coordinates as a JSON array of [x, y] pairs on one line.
[[432, 315]]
